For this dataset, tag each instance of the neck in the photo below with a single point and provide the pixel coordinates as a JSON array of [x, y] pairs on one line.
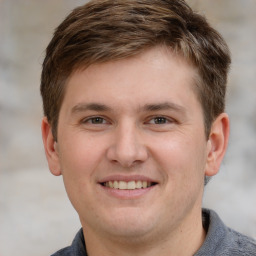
[[184, 240]]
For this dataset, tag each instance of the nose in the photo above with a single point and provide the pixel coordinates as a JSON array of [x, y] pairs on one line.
[[127, 148]]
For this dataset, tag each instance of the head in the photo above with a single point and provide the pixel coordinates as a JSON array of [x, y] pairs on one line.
[[103, 31], [133, 96]]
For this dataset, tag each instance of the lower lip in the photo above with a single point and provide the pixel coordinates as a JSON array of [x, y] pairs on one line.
[[127, 193]]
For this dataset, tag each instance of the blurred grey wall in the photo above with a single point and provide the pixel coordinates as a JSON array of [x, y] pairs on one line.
[[36, 217]]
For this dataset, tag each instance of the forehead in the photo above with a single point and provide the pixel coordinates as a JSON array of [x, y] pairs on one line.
[[154, 75]]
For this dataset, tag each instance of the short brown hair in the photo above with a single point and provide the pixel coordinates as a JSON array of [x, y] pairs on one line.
[[105, 30]]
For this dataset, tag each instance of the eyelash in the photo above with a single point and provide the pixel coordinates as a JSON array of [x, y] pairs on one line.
[[157, 120], [94, 118]]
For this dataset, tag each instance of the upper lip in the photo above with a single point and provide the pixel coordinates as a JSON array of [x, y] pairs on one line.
[[127, 178]]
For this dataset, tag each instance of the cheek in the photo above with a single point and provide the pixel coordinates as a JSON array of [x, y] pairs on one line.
[[181, 158], [80, 156], [79, 159]]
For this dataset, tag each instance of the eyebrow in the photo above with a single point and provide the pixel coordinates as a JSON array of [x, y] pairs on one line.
[[164, 106], [81, 107]]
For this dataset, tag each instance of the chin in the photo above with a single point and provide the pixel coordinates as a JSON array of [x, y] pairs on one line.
[[130, 224]]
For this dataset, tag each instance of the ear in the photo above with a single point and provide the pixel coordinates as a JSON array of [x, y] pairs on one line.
[[51, 148], [217, 144]]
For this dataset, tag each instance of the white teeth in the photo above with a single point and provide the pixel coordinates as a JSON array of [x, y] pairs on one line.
[[139, 184], [116, 184], [131, 185], [110, 184], [127, 185], [123, 185]]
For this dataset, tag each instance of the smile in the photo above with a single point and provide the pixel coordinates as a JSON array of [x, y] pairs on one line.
[[130, 185]]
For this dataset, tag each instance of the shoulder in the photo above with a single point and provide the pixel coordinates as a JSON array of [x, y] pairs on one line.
[[77, 248], [222, 240], [67, 251], [240, 244]]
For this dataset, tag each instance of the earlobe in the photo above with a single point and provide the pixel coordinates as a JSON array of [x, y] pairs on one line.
[[51, 148], [217, 144]]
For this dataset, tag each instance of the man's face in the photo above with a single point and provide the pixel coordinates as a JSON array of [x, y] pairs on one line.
[[131, 145]]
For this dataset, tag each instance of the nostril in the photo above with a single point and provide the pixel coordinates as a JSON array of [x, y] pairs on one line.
[[126, 150]]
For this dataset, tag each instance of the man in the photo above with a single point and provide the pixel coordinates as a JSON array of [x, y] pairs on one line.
[[134, 97]]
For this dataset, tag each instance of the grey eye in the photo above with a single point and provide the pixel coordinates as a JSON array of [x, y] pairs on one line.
[[160, 120], [97, 120]]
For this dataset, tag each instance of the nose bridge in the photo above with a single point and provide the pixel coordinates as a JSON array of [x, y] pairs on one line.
[[128, 147]]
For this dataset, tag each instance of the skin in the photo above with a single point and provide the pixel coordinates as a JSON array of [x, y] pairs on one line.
[[136, 119]]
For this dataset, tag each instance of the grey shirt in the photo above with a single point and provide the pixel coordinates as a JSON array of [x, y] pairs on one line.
[[220, 240]]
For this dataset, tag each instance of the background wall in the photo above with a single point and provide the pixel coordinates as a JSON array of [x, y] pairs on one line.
[[36, 217]]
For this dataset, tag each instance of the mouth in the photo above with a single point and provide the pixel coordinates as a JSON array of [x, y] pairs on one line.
[[128, 185]]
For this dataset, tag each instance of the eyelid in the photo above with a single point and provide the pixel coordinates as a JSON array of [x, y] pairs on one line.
[[90, 118], [168, 119]]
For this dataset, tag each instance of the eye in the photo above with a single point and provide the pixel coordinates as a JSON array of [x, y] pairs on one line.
[[95, 120], [160, 120]]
